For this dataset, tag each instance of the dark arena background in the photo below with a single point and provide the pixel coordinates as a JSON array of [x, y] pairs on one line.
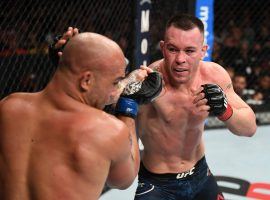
[[237, 32]]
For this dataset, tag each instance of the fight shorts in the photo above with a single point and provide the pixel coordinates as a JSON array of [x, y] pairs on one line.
[[196, 184]]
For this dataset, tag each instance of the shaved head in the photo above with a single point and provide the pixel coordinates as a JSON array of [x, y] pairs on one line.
[[90, 68], [91, 51]]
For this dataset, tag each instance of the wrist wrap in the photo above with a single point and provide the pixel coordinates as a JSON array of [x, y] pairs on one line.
[[227, 114], [127, 107]]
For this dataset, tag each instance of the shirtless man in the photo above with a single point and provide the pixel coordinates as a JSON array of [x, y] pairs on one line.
[[58, 143], [173, 164]]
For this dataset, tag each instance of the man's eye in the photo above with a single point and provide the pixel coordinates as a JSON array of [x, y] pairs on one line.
[[116, 83], [190, 51], [171, 49]]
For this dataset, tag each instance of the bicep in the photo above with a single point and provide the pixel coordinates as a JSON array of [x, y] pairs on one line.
[[233, 99]]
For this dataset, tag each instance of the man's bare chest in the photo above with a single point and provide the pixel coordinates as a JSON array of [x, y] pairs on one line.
[[177, 109]]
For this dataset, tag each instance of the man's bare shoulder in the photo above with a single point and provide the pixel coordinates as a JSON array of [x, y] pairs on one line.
[[102, 123], [210, 66], [156, 65], [212, 70], [103, 130], [215, 73], [15, 102]]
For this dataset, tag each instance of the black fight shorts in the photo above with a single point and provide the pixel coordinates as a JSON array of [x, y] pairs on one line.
[[196, 184]]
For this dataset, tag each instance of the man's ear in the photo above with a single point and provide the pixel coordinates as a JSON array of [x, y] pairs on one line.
[[204, 50], [86, 81], [161, 44]]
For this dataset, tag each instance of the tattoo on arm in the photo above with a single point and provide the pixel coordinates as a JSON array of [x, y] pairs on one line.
[[130, 139], [131, 143], [156, 68], [229, 86]]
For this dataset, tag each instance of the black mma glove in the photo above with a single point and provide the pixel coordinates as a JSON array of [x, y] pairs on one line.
[[146, 91], [217, 101], [53, 51], [138, 93]]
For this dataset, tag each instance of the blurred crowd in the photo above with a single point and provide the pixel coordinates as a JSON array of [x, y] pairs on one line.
[[27, 27], [243, 48]]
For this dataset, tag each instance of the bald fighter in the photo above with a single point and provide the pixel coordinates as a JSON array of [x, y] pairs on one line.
[[58, 143]]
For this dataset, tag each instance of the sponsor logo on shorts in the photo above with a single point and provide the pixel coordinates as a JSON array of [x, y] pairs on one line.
[[185, 174], [151, 188]]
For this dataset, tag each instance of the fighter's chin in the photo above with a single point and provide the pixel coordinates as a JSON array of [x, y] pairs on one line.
[[181, 80], [112, 100]]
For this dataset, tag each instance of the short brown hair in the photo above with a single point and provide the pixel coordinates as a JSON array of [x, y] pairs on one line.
[[185, 22]]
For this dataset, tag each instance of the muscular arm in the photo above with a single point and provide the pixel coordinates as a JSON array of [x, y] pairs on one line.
[[135, 153], [127, 108], [243, 120], [124, 168]]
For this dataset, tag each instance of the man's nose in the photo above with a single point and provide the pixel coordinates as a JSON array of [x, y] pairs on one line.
[[180, 57]]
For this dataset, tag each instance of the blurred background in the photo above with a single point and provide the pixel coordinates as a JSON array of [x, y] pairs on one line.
[[238, 30]]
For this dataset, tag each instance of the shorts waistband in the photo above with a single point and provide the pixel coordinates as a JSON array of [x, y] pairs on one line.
[[183, 175]]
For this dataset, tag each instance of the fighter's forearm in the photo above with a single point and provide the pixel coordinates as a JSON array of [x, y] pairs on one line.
[[130, 122], [236, 114], [242, 122]]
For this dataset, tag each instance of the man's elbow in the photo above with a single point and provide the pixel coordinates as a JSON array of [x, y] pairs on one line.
[[252, 131], [125, 185], [121, 186], [121, 183], [252, 128], [247, 132]]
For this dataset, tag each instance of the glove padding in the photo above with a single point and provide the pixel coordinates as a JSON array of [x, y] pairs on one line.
[[146, 91], [216, 99], [53, 51]]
